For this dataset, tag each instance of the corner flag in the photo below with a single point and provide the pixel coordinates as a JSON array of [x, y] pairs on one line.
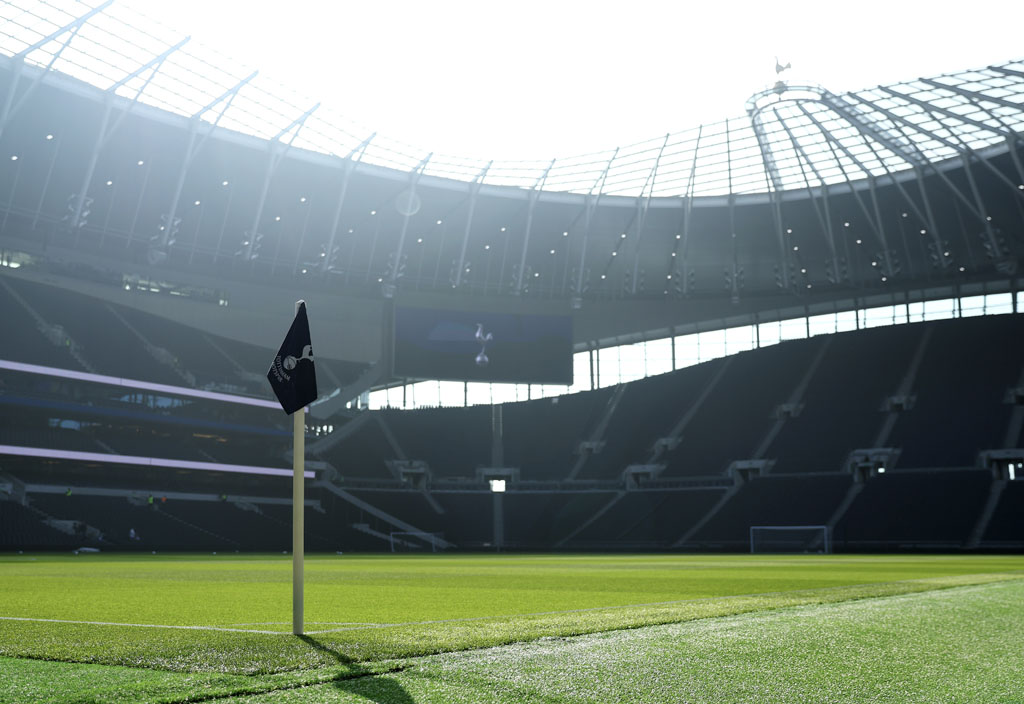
[[293, 382]]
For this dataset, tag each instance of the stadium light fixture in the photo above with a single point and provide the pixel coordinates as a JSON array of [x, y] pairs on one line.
[[49, 137], [14, 157], [881, 470], [223, 183], [110, 183], [498, 486], [196, 203], [140, 162]]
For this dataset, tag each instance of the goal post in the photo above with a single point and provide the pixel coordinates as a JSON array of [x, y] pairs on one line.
[[413, 541], [790, 539]]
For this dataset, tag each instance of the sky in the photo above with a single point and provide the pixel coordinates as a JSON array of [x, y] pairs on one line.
[[538, 80]]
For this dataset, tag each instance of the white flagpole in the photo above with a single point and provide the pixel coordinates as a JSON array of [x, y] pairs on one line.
[[298, 504]]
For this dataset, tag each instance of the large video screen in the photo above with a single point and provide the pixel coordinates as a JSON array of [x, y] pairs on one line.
[[466, 346]]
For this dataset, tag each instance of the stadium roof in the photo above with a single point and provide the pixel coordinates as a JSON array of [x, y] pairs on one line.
[[793, 136]]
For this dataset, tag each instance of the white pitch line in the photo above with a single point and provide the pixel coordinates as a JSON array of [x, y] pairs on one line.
[[143, 625], [375, 626]]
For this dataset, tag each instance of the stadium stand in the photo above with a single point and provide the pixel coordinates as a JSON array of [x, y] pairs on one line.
[[1004, 527], [21, 528], [842, 408], [848, 393], [773, 501], [647, 411], [960, 387], [93, 280], [362, 451], [540, 520], [454, 442], [930, 510], [542, 437], [738, 414], [671, 515]]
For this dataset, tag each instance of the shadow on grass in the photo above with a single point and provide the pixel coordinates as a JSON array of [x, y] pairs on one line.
[[364, 683]]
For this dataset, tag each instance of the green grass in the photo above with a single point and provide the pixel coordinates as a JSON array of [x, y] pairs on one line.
[[373, 615]]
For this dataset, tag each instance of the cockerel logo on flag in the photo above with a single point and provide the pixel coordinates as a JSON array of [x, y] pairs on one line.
[[292, 376]]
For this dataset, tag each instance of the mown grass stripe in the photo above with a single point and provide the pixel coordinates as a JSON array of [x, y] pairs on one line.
[[139, 625]]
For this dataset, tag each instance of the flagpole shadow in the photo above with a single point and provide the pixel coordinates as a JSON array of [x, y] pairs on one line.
[[363, 682]]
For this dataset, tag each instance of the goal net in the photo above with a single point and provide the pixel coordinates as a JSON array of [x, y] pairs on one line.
[[414, 541], [791, 539]]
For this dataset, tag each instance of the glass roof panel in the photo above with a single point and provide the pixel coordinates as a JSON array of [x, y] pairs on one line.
[[807, 133]]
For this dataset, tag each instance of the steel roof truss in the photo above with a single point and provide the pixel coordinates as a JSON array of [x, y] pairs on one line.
[[71, 29], [938, 172], [640, 216], [538, 186], [276, 151], [107, 130], [396, 266], [589, 207], [824, 220], [474, 191], [192, 150], [353, 158], [852, 116]]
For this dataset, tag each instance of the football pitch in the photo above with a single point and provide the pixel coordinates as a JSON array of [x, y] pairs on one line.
[[513, 628]]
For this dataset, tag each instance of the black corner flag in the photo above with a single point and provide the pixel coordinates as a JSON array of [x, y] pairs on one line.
[[294, 383]]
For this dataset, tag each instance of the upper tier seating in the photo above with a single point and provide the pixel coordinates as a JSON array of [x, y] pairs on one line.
[[959, 409], [843, 404]]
